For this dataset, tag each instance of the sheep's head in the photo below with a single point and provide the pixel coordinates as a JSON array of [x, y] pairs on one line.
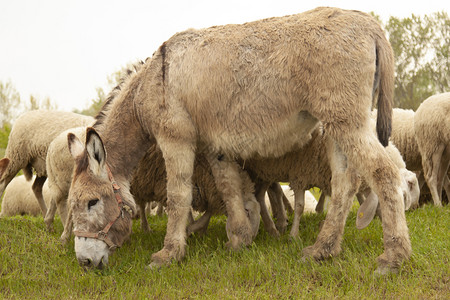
[[101, 222], [410, 189]]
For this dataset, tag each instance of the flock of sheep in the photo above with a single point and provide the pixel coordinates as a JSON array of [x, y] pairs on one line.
[[419, 146], [420, 142]]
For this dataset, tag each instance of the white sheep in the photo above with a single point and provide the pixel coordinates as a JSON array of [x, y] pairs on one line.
[[59, 165], [309, 167], [28, 142], [432, 130], [149, 185], [19, 198], [404, 137]]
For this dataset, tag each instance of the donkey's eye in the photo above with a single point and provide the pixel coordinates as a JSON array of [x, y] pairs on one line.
[[92, 203]]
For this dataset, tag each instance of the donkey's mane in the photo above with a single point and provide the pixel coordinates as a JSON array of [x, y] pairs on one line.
[[102, 114]]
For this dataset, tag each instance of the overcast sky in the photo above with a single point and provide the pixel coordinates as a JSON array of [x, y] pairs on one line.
[[65, 49]]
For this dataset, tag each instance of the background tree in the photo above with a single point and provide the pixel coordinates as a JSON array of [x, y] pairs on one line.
[[10, 103], [421, 50]]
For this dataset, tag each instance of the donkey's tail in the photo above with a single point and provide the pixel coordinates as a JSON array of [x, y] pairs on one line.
[[384, 81]]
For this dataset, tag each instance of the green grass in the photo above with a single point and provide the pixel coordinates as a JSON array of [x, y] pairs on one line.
[[33, 264]]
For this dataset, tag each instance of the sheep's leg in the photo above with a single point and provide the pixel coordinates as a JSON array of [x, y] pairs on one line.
[[287, 204], [367, 154], [160, 209], [7, 173], [143, 216], [179, 160], [67, 227], [228, 182], [276, 200], [62, 208], [37, 190], [200, 225], [442, 174], [447, 186], [299, 206], [50, 215], [431, 166], [344, 185], [269, 225], [420, 179], [321, 203], [360, 197], [276, 187]]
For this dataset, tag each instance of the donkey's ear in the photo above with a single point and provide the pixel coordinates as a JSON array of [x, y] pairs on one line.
[[4, 162], [96, 152], [76, 147]]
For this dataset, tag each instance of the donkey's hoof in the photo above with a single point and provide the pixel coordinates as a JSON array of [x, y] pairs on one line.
[[385, 270], [274, 232], [160, 259], [49, 227]]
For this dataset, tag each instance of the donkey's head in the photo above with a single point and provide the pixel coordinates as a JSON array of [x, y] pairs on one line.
[[101, 217]]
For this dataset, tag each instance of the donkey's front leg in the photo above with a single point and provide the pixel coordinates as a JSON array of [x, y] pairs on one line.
[[179, 160]]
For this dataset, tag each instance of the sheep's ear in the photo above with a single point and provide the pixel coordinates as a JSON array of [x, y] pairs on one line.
[[4, 162], [96, 152], [76, 147], [367, 211]]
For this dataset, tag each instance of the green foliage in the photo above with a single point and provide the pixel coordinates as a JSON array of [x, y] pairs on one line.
[[96, 104], [10, 103], [33, 264], [421, 50]]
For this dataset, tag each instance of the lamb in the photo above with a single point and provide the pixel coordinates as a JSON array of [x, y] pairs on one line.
[[28, 143], [19, 198], [149, 184], [317, 173], [432, 130]]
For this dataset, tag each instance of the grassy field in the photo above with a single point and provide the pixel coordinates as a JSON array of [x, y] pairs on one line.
[[33, 264]]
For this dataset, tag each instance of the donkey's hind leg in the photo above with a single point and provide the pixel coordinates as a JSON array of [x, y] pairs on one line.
[[368, 156], [344, 185]]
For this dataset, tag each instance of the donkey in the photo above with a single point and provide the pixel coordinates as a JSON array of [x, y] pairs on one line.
[[237, 92]]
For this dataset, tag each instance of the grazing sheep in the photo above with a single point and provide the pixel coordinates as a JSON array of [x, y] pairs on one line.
[[59, 165], [28, 142], [19, 198], [149, 185], [404, 137], [368, 200], [310, 167], [432, 129]]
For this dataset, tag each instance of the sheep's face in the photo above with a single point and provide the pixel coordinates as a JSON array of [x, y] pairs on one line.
[[94, 206], [410, 189]]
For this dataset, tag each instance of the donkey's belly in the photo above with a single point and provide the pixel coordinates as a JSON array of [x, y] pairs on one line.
[[272, 138]]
